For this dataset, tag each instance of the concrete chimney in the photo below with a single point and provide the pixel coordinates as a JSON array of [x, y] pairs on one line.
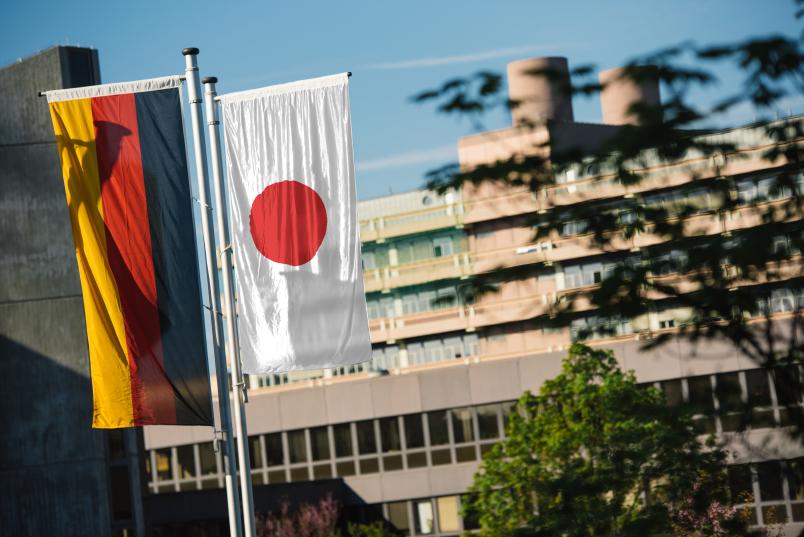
[[621, 90], [540, 97]]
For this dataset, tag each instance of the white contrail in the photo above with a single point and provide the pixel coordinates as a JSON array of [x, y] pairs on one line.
[[463, 58], [433, 154]]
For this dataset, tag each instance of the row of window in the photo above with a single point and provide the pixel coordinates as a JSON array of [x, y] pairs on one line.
[[413, 249], [418, 299], [735, 401], [725, 402], [365, 447], [693, 201], [772, 491]]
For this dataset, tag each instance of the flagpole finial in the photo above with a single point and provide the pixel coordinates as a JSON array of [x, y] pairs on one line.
[[209, 80], [190, 51]]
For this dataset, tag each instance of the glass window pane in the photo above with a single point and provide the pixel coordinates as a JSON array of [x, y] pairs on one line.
[[448, 513], [788, 385], [207, 458], [770, 481], [672, 392], [366, 439], [164, 466], [389, 435], [255, 451], [487, 421], [758, 388], [185, 456], [740, 483], [423, 513], [297, 447], [462, 425], [414, 433], [343, 440], [700, 392], [729, 392], [273, 447], [795, 478], [437, 422], [398, 516], [319, 443]]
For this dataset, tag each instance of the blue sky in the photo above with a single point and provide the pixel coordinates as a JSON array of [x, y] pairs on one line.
[[394, 50]]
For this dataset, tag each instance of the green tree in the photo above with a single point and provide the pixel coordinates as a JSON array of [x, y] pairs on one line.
[[595, 454]]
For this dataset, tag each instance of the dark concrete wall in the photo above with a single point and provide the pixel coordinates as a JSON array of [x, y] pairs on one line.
[[54, 474]]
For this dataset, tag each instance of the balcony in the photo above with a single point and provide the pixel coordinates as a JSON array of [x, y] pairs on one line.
[[489, 311], [439, 268], [401, 224]]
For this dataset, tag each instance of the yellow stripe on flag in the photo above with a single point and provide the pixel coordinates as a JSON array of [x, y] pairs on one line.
[[108, 352]]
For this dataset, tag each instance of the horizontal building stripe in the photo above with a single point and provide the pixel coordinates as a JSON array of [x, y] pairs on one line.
[[108, 353], [128, 247]]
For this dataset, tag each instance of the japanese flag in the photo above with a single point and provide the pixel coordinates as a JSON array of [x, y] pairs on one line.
[[294, 223]]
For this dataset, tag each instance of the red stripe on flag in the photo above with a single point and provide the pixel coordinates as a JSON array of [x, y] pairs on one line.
[[128, 246]]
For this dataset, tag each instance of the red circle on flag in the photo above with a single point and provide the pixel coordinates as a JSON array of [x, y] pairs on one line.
[[288, 221]]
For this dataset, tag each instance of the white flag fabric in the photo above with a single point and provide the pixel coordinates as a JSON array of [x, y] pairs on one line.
[[295, 232]]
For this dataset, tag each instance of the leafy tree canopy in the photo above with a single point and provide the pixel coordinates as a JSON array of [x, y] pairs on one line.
[[595, 454]]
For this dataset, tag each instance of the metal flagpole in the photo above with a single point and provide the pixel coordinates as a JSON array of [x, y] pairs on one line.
[[232, 349], [229, 466]]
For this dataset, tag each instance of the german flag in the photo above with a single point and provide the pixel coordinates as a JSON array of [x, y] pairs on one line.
[[125, 175]]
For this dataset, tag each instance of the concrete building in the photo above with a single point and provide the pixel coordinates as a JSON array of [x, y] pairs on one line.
[[405, 433], [58, 476]]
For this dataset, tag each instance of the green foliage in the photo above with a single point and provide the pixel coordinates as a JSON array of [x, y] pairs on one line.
[[594, 454]]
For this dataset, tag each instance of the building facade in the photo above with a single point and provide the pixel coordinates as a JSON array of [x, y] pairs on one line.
[[405, 432]]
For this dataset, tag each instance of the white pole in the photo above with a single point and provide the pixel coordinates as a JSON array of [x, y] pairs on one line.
[[229, 467], [232, 349]]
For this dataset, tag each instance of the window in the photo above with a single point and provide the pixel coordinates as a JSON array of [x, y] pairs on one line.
[[368, 261], [594, 327], [414, 433], [343, 440], [740, 483], [437, 422], [423, 513], [398, 516], [366, 439], [672, 392], [273, 447], [700, 395], [164, 469], [389, 435], [448, 514], [462, 425], [573, 227], [795, 478], [255, 451], [788, 385], [297, 446], [319, 443], [185, 456], [442, 246], [769, 475], [487, 424], [207, 459]]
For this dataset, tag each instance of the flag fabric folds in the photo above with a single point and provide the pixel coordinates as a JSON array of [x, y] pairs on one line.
[[125, 175], [301, 303]]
